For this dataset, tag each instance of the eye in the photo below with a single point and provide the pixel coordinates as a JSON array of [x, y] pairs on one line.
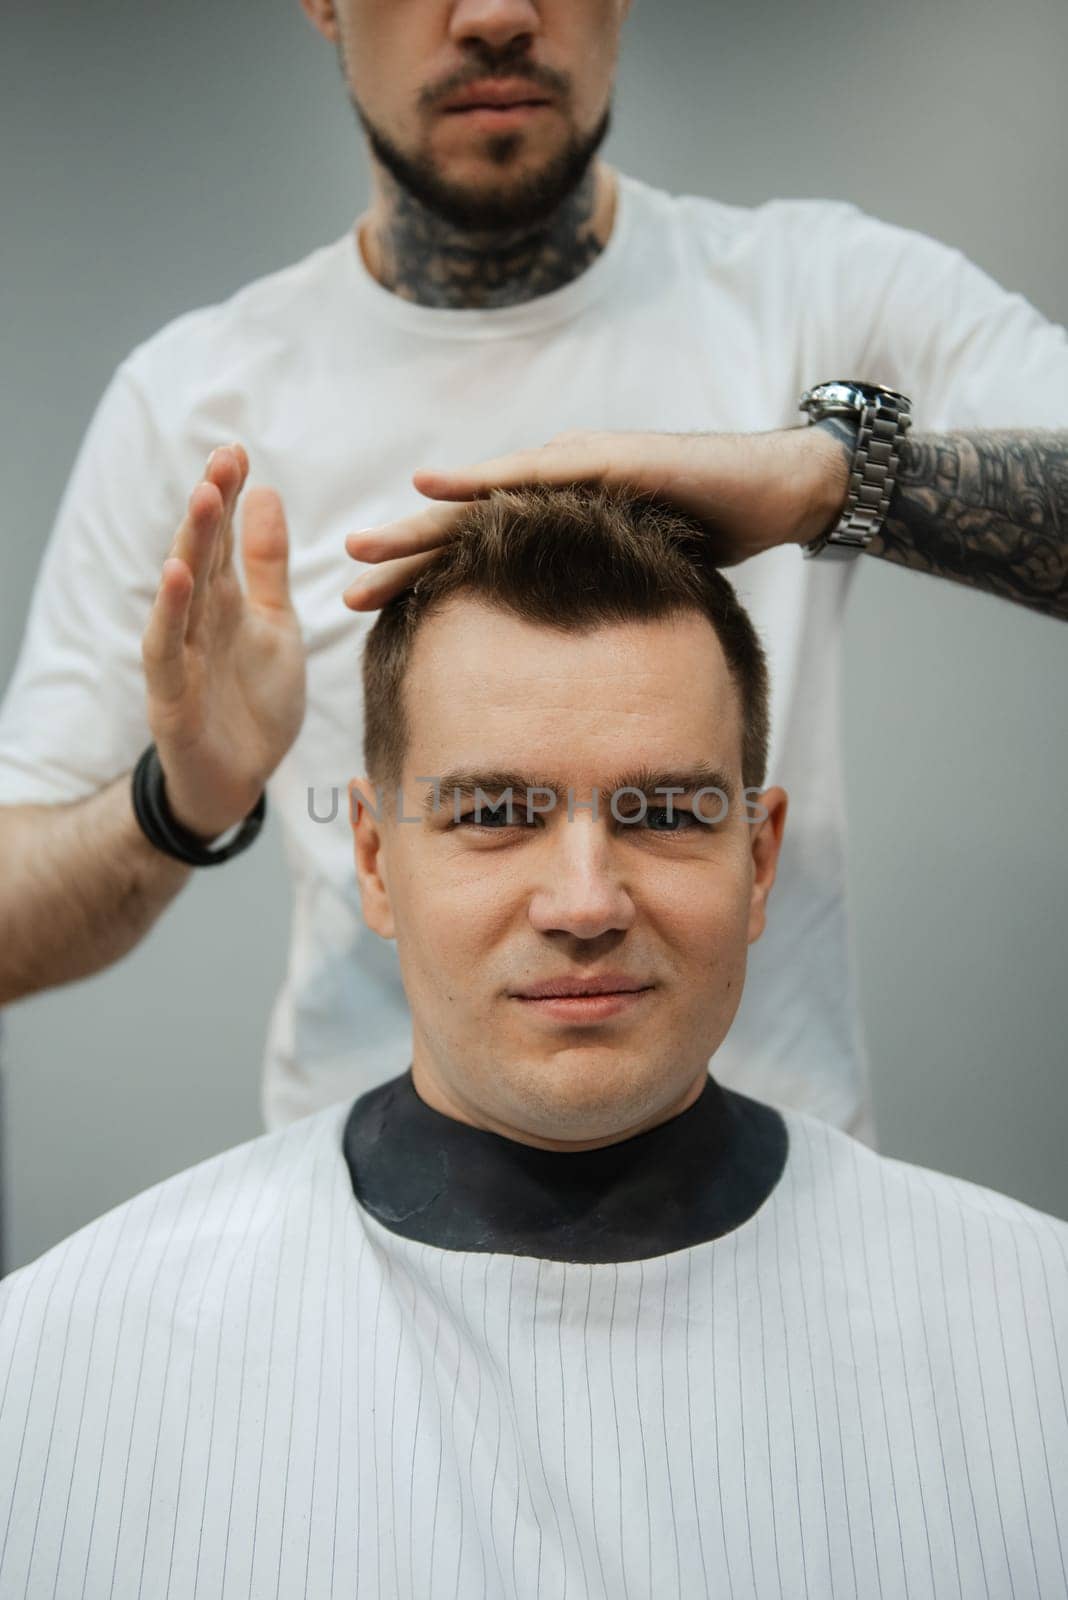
[[678, 821], [494, 821]]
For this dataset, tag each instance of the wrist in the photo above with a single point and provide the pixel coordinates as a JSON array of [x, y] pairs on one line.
[[829, 447], [165, 830], [205, 827], [206, 820]]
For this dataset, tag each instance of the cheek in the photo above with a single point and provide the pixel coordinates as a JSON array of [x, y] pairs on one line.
[[701, 916], [707, 935], [482, 892], [711, 933], [382, 59], [453, 914], [594, 44], [707, 890]]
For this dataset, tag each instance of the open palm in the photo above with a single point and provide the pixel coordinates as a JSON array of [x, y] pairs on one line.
[[224, 666]]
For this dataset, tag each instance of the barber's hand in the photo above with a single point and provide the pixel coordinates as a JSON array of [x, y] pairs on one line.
[[224, 668], [749, 491]]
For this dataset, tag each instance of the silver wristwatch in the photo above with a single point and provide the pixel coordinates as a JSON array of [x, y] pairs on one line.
[[883, 419]]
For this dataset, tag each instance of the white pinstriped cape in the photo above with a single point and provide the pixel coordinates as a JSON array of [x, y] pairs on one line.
[[241, 1384]]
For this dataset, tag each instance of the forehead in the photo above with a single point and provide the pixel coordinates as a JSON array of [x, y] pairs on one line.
[[483, 685]]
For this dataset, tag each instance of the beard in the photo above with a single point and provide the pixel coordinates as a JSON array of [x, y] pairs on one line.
[[513, 204]]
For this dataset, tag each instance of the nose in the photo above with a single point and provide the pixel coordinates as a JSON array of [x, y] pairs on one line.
[[581, 891], [496, 23]]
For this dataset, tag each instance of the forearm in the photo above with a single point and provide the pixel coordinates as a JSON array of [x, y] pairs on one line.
[[80, 885], [986, 509]]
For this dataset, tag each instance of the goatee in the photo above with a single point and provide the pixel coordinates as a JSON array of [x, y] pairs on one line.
[[515, 205]]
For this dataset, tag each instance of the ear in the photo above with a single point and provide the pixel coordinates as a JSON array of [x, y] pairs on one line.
[[322, 16], [765, 844], [368, 839]]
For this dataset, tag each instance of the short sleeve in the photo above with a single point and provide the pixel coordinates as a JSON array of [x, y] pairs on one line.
[[74, 715], [902, 309]]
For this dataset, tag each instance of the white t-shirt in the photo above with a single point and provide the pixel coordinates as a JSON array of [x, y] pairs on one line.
[[696, 316], [241, 1383]]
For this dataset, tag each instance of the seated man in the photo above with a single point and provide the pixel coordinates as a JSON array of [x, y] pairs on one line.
[[552, 1313]]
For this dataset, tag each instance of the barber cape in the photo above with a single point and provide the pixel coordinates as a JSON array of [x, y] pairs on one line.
[[383, 1353]]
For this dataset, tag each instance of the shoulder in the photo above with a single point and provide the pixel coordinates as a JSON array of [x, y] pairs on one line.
[[814, 241], [260, 326], [897, 1197], [811, 222], [165, 1240], [821, 258]]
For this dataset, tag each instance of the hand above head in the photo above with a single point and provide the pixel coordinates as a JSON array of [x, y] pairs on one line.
[[224, 666], [749, 491]]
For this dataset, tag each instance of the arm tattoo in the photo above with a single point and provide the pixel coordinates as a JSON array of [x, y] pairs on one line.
[[986, 509]]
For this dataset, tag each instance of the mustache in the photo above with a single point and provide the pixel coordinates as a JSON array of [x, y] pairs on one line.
[[490, 63]]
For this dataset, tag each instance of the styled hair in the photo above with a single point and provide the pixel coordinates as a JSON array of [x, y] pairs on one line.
[[571, 560]]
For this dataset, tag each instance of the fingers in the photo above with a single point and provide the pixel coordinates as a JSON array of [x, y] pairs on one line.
[[163, 641], [372, 589], [547, 465], [408, 536], [194, 540], [203, 538], [265, 550], [401, 550], [571, 458], [220, 472]]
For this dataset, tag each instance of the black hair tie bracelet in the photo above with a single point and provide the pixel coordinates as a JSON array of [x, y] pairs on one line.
[[167, 834]]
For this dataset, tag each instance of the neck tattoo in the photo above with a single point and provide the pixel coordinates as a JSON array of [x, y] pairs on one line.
[[422, 257]]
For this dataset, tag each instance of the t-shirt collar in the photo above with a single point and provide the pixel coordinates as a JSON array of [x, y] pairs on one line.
[[500, 322]]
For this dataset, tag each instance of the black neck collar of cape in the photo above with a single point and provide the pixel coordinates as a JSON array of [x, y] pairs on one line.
[[428, 1177]]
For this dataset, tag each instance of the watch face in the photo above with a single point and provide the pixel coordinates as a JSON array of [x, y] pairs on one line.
[[848, 397], [845, 392]]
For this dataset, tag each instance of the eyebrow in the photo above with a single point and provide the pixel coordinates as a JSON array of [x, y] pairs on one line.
[[464, 781]]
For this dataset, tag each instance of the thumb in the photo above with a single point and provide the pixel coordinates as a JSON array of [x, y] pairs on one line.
[[265, 549]]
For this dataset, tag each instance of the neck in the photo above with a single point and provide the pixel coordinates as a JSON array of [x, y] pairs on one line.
[[422, 257], [442, 1182]]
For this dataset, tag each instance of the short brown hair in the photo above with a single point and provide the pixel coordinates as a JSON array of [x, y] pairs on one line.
[[572, 560]]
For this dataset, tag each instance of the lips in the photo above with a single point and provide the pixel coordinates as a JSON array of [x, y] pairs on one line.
[[571, 988], [496, 95]]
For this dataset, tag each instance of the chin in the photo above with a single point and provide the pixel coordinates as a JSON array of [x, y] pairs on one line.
[[484, 189], [490, 181], [585, 1094], [490, 160]]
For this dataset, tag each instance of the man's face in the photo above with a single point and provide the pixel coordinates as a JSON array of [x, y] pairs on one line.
[[483, 912], [407, 62]]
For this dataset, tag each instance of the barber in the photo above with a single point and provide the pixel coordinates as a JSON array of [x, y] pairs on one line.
[[183, 661]]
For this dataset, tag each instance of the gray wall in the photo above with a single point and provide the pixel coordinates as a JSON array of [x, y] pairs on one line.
[[158, 157]]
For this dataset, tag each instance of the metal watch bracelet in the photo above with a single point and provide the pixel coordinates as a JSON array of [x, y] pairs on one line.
[[872, 476]]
